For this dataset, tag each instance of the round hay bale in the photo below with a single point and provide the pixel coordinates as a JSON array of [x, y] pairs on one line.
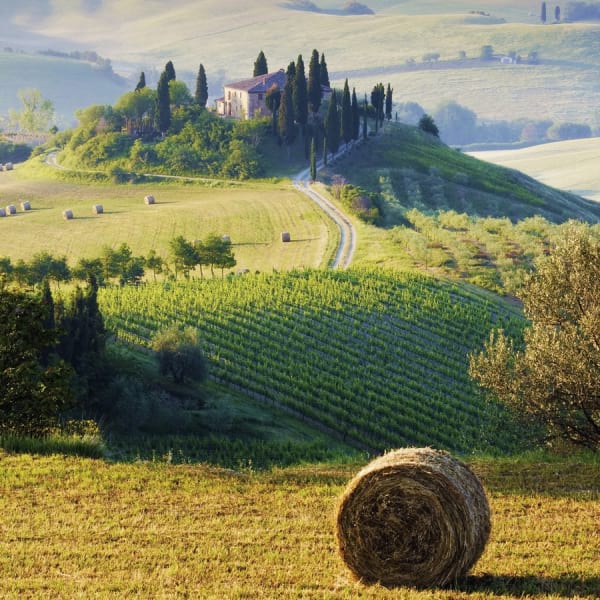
[[2, 212], [149, 200], [67, 215], [413, 517], [11, 209], [98, 209], [285, 237], [25, 205], [8, 166], [226, 238]]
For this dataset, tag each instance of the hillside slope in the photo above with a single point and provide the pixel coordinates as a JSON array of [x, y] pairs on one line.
[[379, 357]]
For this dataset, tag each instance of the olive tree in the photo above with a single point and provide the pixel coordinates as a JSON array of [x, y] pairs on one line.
[[553, 375], [179, 354]]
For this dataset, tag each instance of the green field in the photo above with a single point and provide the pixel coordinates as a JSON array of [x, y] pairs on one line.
[[253, 215], [570, 165], [87, 528]]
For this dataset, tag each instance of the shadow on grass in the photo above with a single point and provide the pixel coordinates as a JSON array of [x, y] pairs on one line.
[[564, 586], [86, 446]]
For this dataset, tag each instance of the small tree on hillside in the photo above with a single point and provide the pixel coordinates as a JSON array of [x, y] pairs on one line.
[[427, 124], [543, 13], [170, 71], [141, 84], [184, 255], [487, 52], [323, 72], [388, 102], [179, 354], [260, 65], [201, 94]]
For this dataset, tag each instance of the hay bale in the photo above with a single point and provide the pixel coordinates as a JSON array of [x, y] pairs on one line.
[[413, 517], [11, 209], [8, 166], [226, 238], [2, 212], [98, 209], [285, 237], [67, 215], [149, 200], [25, 205]]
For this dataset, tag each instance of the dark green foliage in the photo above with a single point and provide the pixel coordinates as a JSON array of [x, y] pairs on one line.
[[377, 101], [364, 123], [273, 100], [355, 116], [141, 84], [346, 124], [184, 255], [332, 125], [388, 102], [487, 52], [323, 72], [543, 13], [201, 94], [363, 204], [315, 93], [120, 264], [10, 152], [163, 101], [32, 394], [170, 71], [557, 13], [427, 124], [300, 95], [313, 160], [287, 127], [260, 65], [179, 354]]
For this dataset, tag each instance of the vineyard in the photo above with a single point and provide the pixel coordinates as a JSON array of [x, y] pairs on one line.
[[379, 358]]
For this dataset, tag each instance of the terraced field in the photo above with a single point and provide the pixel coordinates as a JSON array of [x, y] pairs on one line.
[[380, 358]]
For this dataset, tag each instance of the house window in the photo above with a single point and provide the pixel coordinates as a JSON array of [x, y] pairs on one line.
[[229, 95]]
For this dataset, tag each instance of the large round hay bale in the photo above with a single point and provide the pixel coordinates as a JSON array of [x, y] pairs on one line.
[[8, 166], [98, 209], [149, 200], [413, 517], [67, 215], [11, 209], [25, 205], [285, 237]]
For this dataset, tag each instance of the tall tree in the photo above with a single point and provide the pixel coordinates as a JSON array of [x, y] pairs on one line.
[[543, 13], [552, 375], [332, 125], [364, 123], [557, 13], [260, 65], [287, 127], [355, 116], [315, 94], [388, 102], [313, 160], [179, 355], [347, 126], [273, 100], [141, 84], [201, 94], [163, 103], [170, 71], [300, 95], [184, 255], [323, 72]]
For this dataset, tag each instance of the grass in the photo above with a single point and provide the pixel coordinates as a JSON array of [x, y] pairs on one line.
[[86, 528], [253, 215], [569, 165]]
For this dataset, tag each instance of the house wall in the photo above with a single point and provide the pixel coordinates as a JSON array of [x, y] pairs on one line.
[[235, 103]]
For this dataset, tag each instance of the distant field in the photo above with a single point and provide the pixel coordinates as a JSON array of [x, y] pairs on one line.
[[252, 215], [86, 528], [571, 165]]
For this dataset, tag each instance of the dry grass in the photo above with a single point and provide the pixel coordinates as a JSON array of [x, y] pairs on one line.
[[82, 528]]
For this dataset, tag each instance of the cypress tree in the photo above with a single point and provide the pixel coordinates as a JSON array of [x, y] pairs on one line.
[[557, 14], [543, 15], [323, 73], [163, 101], [355, 116], [347, 127], [170, 71], [388, 102], [287, 128], [141, 83], [260, 65], [364, 125], [315, 94], [201, 94], [332, 125], [313, 160], [273, 100], [300, 95], [325, 151]]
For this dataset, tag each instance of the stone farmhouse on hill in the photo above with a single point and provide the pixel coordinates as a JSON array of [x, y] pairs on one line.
[[246, 99]]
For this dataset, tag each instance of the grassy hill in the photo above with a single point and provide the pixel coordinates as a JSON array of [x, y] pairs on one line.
[[79, 527], [69, 84], [571, 165]]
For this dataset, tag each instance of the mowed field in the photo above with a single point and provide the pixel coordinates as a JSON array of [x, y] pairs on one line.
[[83, 528], [571, 165], [253, 215]]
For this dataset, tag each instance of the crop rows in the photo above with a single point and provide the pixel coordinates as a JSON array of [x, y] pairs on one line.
[[379, 357]]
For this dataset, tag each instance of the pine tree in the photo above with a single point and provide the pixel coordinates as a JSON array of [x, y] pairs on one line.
[[163, 101], [347, 127], [141, 83], [323, 73], [543, 15], [355, 116], [201, 94], [315, 94], [170, 71], [300, 95], [260, 65], [287, 127], [388, 102], [332, 125], [313, 160]]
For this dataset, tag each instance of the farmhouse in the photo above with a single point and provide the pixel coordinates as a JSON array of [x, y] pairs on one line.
[[246, 99]]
